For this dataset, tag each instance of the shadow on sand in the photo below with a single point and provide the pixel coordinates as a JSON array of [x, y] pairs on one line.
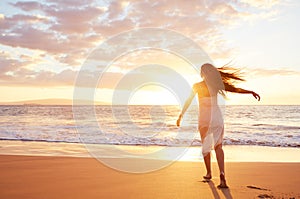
[[225, 192]]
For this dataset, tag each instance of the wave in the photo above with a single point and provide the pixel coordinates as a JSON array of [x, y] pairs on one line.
[[164, 142], [276, 126]]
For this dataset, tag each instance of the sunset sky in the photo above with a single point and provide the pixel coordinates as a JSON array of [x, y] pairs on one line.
[[43, 45]]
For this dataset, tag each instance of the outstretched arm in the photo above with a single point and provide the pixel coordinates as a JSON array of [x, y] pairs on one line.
[[185, 107], [243, 91]]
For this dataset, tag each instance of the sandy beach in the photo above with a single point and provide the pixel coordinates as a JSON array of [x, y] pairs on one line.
[[73, 177]]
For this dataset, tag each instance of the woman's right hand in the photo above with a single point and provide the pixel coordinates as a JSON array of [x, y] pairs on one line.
[[256, 95], [178, 120]]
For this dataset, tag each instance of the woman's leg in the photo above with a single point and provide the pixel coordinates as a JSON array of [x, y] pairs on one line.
[[206, 157], [207, 166], [220, 158]]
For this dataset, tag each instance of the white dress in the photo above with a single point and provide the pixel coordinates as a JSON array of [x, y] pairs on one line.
[[210, 117]]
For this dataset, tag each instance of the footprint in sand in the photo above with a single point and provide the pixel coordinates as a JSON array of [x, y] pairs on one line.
[[263, 189], [265, 196], [254, 187]]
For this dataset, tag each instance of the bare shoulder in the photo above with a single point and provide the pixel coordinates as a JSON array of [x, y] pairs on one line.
[[197, 86], [201, 89]]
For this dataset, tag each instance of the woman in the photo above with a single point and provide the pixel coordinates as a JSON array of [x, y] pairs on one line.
[[211, 124]]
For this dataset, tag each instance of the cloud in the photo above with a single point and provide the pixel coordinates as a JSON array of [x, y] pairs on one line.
[[62, 27], [261, 3], [32, 38], [9, 23], [71, 3], [72, 21], [23, 77], [68, 30], [27, 6], [9, 65], [262, 72]]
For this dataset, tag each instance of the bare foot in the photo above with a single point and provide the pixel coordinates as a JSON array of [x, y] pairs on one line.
[[222, 184], [207, 176]]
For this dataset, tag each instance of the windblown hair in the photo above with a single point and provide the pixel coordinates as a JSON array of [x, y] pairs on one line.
[[219, 80], [213, 79], [230, 76]]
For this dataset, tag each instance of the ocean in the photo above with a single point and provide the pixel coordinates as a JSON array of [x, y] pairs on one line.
[[275, 126]]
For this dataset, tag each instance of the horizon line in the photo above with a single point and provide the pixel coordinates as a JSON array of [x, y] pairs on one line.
[[69, 102]]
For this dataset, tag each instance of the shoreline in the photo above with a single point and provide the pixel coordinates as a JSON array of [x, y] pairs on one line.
[[233, 153], [73, 177]]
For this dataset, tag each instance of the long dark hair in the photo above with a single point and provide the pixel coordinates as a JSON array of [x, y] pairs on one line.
[[220, 79], [230, 76]]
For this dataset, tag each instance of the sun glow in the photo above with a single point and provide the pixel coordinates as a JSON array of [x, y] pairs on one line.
[[153, 95]]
